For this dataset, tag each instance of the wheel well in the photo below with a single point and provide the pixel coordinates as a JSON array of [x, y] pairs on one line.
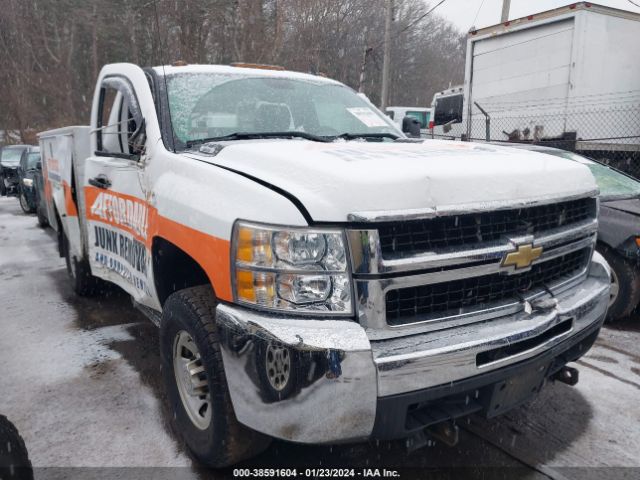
[[174, 269]]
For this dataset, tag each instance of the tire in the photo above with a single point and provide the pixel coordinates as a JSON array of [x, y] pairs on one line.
[[24, 203], [79, 271], [188, 332], [3, 187], [43, 221], [14, 458], [625, 285]]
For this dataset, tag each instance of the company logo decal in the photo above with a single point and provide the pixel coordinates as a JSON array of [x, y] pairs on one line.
[[122, 212], [523, 257]]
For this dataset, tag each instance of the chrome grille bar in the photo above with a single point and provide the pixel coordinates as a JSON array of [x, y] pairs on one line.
[[375, 275], [367, 257]]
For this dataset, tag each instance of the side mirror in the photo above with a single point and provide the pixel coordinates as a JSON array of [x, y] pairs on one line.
[[446, 128], [39, 166], [411, 127]]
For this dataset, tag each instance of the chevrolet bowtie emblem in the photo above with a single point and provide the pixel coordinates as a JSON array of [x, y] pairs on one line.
[[523, 257]]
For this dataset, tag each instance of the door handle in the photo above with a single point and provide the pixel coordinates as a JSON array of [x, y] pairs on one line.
[[101, 181]]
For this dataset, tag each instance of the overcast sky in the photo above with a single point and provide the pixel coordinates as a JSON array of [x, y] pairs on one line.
[[463, 12]]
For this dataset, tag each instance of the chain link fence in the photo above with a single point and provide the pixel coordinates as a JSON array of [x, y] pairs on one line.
[[605, 128]]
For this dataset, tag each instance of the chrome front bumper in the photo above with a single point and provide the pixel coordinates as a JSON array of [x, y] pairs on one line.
[[341, 374]]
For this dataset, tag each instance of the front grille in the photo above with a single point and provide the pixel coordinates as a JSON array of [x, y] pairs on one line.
[[11, 174], [404, 305], [419, 236]]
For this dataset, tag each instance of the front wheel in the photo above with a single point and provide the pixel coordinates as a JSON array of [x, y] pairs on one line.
[[195, 381], [3, 187], [24, 203], [625, 285]]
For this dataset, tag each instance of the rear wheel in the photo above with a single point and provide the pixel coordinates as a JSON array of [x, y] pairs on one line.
[[625, 286], [82, 281], [195, 382]]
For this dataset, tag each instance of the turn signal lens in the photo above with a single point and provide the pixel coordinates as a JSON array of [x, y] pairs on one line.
[[254, 246], [256, 287]]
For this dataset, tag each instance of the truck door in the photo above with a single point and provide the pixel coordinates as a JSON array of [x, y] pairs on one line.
[[116, 205]]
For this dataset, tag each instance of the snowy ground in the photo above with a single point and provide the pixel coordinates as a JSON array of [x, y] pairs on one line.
[[80, 379]]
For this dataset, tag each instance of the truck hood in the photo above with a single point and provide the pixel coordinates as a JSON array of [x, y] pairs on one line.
[[334, 180]]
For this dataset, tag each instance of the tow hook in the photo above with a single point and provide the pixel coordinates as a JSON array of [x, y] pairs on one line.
[[566, 375], [446, 432]]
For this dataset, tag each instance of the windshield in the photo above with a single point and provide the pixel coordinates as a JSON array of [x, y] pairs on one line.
[[207, 105], [11, 156], [612, 184]]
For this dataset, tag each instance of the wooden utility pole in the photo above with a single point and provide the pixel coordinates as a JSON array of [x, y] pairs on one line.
[[506, 5], [386, 61], [365, 56]]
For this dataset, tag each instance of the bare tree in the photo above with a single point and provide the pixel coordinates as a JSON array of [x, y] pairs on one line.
[[51, 50]]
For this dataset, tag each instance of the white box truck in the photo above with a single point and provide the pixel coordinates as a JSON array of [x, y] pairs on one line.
[[570, 75]]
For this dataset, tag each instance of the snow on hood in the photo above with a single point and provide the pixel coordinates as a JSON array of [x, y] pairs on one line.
[[336, 179]]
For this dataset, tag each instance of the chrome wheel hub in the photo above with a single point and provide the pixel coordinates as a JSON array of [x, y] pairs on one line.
[[278, 365], [191, 380]]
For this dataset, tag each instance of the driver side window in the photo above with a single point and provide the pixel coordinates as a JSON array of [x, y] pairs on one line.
[[120, 128]]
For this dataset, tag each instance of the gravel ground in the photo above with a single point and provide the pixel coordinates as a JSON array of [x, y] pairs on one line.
[[80, 379]]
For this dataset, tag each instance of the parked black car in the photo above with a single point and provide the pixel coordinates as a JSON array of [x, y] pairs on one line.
[[618, 231], [28, 164], [9, 165], [39, 195]]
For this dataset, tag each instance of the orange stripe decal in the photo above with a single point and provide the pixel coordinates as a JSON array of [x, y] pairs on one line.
[[142, 221], [69, 203], [211, 253]]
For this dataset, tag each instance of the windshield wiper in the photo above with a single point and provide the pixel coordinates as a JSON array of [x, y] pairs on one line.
[[353, 136], [257, 135]]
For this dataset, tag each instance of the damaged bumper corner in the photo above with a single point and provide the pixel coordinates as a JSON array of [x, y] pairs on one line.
[[343, 385], [334, 395]]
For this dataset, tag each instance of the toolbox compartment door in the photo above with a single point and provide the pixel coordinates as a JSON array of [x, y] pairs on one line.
[[59, 150]]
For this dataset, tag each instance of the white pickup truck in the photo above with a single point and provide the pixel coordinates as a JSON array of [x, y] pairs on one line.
[[316, 276]]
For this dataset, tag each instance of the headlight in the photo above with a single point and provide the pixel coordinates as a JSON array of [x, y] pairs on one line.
[[291, 269], [28, 182], [631, 247]]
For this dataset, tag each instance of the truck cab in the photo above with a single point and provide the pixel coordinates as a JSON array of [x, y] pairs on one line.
[[447, 113], [316, 276]]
